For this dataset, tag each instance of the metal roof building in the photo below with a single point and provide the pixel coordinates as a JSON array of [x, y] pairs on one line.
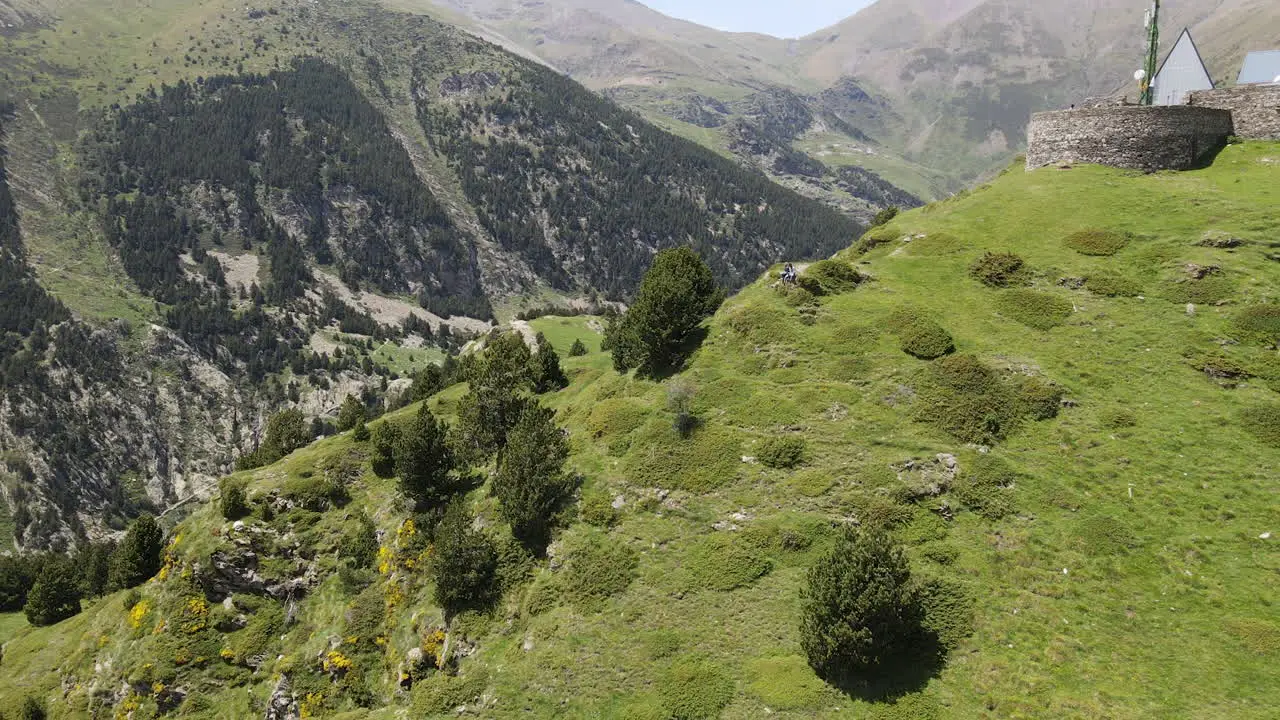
[[1260, 67], [1183, 71]]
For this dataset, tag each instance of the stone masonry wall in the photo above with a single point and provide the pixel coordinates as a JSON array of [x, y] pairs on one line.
[[1256, 108], [1133, 137]]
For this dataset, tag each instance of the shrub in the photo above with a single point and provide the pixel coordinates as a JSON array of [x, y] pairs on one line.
[[316, 494], [598, 569], [782, 452], [947, 608], [1039, 399], [578, 349], [925, 339], [351, 412], [785, 683], [1264, 422], [1038, 310], [876, 237], [1000, 270], [964, 397], [1113, 285], [259, 636], [833, 277], [858, 610], [710, 458], [1205, 291], [360, 433], [885, 216], [985, 486], [442, 693], [359, 543], [1259, 323], [31, 709], [1097, 242], [694, 689], [596, 508], [725, 562], [232, 499], [1118, 418]]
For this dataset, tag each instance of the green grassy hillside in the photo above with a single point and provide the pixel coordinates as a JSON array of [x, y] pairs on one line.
[[1108, 552]]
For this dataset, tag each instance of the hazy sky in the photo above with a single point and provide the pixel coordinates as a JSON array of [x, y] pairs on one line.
[[783, 18]]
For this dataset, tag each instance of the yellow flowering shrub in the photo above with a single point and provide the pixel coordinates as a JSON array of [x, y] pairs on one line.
[[194, 616], [138, 613]]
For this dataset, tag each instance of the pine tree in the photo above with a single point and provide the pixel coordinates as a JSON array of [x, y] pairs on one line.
[[545, 368], [424, 461], [233, 501], [17, 575], [95, 568], [351, 412], [386, 437], [138, 557], [360, 433], [675, 296], [31, 709], [858, 610], [55, 596], [531, 483], [498, 379], [578, 349], [464, 564]]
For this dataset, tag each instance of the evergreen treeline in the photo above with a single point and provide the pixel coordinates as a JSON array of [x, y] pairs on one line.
[[303, 138], [613, 188]]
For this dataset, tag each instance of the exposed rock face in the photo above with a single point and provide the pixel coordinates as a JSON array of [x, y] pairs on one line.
[[282, 705], [469, 83]]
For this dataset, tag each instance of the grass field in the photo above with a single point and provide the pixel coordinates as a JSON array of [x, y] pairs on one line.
[[1121, 570]]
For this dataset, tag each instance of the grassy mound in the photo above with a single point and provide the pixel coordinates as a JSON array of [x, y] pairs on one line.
[[1205, 291], [784, 451], [925, 339], [710, 458], [786, 683], [1100, 243], [936, 244], [1000, 270], [694, 689], [1264, 422], [724, 562], [830, 277], [969, 400], [1039, 310], [985, 487], [1113, 285], [1259, 324], [596, 569]]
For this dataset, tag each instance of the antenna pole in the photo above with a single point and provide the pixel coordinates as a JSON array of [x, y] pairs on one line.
[[1153, 58]]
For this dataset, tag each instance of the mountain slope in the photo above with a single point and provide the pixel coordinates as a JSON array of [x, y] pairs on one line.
[[282, 205], [1097, 555]]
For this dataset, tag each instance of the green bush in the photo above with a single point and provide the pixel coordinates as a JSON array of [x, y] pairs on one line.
[[259, 636], [1040, 399], [1264, 422], [985, 487], [710, 458], [543, 594], [1118, 418], [782, 452], [441, 693], [1000, 270], [879, 512], [785, 683], [1038, 310], [316, 494], [596, 508], [694, 689], [578, 349], [31, 709], [1206, 291], [876, 237], [725, 562], [1097, 242], [598, 569], [833, 277], [1259, 324], [962, 396], [359, 543], [925, 339], [232, 498], [1113, 285], [948, 610]]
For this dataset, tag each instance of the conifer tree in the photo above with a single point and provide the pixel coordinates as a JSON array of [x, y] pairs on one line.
[[578, 349], [858, 608], [545, 368], [464, 564], [424, 461], [499, 381], [138, 557], [55, 596], [351, 412], [386, 437], [676, 295], [531, 483]]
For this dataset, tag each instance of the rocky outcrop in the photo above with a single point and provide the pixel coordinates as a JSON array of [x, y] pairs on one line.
[[282, 705]]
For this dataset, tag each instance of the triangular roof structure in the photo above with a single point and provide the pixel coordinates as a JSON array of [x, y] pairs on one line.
[[1260, 67], [1182, 72]]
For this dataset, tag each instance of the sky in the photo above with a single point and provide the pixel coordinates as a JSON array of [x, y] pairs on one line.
[[781, 18]]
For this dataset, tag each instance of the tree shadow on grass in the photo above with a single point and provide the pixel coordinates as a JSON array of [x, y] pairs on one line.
[[907, 673], [680, 357]]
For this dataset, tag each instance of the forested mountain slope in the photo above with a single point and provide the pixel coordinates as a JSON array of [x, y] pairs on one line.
[[283, 205], [1067, 413]]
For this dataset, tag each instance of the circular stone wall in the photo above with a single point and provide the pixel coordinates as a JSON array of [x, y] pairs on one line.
[[1172, 137]]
